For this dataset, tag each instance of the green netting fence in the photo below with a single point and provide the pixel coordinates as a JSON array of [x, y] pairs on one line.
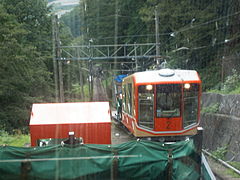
[[131, 160]]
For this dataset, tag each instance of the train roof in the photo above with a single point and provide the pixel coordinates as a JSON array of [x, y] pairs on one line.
[[65, 113], [165, 75]]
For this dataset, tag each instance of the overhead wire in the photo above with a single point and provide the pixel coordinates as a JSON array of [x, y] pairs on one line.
[[170, 33], [219, 43], [200, 37], [162, 34], [209, 22], [205, 35], [222, 42]]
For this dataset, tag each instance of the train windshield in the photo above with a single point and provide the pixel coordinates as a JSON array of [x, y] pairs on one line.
[[146, 106], [168, 100], [190, 94]]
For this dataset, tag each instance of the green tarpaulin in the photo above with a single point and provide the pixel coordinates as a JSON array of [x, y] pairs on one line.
[[132, 160]]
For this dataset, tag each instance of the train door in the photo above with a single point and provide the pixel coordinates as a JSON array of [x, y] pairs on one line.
[[168, 107]]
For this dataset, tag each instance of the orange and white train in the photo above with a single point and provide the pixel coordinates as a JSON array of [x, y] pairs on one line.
[[161, 103]]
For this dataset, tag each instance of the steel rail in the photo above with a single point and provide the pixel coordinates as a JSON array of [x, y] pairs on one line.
[[222, 162], [208, 169]]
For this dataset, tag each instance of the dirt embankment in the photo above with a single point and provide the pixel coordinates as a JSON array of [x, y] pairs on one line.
[[220, 119]]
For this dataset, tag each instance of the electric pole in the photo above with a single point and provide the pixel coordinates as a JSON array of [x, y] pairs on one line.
[[135, 53], [116, 29], [157, 35], [58, 77], [55, 70]]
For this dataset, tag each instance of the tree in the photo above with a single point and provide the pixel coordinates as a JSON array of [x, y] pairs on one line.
[[25, 78], [193, 34]]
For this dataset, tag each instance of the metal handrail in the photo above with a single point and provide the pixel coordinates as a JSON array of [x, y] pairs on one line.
[[222, 162]]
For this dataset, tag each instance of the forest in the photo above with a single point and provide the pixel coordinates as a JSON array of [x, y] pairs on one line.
[[202, 35]]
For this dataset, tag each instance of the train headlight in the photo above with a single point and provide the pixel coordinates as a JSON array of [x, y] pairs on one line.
[[149, 87], [187, 86]]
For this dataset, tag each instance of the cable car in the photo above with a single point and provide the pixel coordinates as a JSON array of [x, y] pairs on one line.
[[161, 103]]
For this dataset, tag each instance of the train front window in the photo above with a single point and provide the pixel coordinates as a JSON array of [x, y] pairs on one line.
[[168, 100], [190, 96], [146, 106]]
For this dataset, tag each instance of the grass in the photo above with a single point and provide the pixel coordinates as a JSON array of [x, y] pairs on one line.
[[18, 140], [232, 173], [213, 108], [235, 91], [235, 164], [227, 89]]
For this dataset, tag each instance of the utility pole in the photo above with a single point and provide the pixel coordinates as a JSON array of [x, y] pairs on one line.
[[116, 29], [157, 35], [135, 53], [115, 44], [55, 70], [90, 67], [80, 76], [58, 55]]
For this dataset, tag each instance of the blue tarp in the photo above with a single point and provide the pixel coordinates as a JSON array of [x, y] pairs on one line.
[[119, 78]]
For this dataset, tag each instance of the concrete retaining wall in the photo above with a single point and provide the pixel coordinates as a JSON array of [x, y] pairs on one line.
[[222, 127]]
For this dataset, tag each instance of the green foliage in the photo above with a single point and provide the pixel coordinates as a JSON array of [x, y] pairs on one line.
[[14, 140], [65, 35], [232, 82], [210, 75], [231, 172], [75, 94], [96, 20], [24, 64], [193, 34], [189, 35], [107, 84], [213, 108], [231, 85], [180, 38], [235, 164], [72, 21], [220, 152], [236, 91]]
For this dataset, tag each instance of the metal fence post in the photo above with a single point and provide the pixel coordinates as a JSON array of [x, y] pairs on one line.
[[198, 138]]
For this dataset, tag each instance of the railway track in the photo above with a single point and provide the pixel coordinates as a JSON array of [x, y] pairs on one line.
[[99, 93], [119, 133], [221, 169]]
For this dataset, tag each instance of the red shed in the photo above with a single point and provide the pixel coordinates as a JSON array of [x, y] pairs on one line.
[[89, 120]]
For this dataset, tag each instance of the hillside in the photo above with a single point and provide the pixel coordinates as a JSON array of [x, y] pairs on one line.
[[61, 7]]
